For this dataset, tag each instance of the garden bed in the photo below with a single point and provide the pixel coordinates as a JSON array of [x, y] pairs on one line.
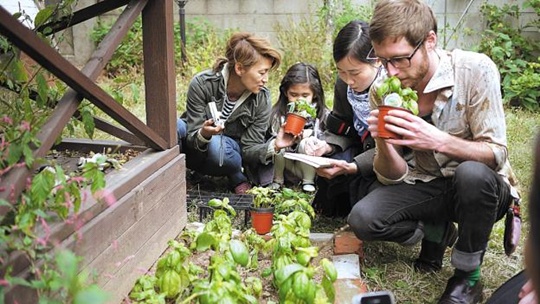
[[201, 189], [115, 238]]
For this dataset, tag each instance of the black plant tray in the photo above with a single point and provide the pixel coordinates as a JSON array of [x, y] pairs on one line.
[[200, 198]]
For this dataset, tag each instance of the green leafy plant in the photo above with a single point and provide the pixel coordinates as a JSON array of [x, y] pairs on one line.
[[263, 197], [51, 196], [290, 200], [303, 108], [292, 257], [392, 94], [513, 52]]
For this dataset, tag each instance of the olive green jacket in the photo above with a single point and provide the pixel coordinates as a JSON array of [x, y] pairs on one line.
[[247, 124]]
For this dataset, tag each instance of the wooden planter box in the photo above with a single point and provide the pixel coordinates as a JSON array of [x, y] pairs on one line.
[[118, 243]]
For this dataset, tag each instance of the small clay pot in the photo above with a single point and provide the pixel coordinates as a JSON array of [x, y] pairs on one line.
[[294, 124], [262, 219], [381, 127]]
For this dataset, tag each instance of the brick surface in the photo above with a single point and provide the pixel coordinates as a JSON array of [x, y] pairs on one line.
[[346, 289], [346, 242]]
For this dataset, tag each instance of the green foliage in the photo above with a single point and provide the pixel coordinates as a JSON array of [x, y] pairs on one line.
[[303, 108], [27, 96], [513, 53], [338, 13], [202, 47], [310, 39], [524, 89], [263, 197]]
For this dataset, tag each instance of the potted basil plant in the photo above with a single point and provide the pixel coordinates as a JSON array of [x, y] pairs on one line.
[[262, 209], [299, 112]]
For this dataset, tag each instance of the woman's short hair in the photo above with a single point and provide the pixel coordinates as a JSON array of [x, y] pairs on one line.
[[247, 49]]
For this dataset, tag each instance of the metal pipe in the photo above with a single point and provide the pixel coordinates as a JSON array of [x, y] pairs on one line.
[[182, 21]]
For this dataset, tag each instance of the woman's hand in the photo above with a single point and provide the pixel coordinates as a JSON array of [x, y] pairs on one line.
[[339, 167], [208, 129], [284, 140]]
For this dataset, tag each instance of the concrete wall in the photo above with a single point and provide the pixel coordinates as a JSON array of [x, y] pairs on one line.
[[456, 18]]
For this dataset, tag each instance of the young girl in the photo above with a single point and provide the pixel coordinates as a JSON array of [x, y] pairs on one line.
[[301, 81]]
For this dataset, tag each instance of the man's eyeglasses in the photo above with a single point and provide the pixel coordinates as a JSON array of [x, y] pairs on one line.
[[400, 62]]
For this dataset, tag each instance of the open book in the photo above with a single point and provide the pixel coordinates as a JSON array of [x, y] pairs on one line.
[[314, 161]]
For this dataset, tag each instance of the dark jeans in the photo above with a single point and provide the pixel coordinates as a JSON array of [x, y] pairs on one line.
[[335, 197], [223, 157], [475, 198]]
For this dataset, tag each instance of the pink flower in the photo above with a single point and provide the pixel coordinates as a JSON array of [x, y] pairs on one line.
[[105, 196], [6, 119], [25, 126]]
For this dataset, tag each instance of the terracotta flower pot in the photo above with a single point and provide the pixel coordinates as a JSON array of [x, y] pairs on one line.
[[262, 219], [294, 124], [383, 132]]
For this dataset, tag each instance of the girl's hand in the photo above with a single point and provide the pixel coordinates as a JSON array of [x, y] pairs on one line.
[[339, 167], [208, 129], [317, 147]]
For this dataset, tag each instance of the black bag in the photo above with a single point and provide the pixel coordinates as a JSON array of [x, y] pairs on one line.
[[339, 126], [512, 227]]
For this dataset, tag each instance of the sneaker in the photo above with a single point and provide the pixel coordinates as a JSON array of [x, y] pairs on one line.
[[431, 253], [308, 187], [242, 188], [275, 186]]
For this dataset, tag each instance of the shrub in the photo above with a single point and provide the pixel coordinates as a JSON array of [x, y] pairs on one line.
[[514, 54]]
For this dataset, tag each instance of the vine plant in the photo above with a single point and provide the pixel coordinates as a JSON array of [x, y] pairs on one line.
[[51, 195]]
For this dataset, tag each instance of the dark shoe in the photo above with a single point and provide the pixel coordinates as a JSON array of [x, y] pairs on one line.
[[431, 254], [458, 291]]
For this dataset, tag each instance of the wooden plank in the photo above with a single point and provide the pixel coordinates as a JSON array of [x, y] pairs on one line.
[[145, 240], [88, 145], [118, 132], [81, 16], [158, 210], [108, 226], [125, 278], [159, 71], [119, 183]]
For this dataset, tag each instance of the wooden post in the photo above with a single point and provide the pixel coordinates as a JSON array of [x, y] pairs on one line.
[[159, 71]]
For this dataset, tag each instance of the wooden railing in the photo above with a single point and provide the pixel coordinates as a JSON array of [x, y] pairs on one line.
[[158, 133]]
